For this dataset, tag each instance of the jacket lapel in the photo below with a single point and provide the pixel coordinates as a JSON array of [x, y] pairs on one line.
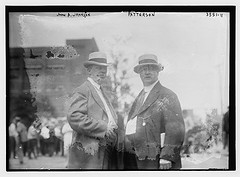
[[96, 96], [152, 97], [132, 112]]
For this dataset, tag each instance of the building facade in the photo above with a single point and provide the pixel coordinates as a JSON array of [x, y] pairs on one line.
[[48, 75]]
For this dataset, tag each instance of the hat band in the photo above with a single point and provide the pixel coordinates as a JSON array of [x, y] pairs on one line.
[[149, 61], [99, 60]]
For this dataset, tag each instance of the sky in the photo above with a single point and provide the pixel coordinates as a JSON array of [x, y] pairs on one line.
[[193, 47]]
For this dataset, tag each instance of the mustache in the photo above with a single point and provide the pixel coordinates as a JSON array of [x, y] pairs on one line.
[[101, 75]]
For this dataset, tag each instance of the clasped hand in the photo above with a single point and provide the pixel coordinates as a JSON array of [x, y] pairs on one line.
[[111, 134]]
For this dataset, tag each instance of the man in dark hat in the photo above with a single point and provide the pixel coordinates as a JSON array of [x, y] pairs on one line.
[[93, 120], [155, 128]]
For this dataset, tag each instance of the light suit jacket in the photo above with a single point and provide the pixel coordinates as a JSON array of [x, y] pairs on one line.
[[88, 119], [161, 113]]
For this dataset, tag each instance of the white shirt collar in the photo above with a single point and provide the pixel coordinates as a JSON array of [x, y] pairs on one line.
[[149, 88], [93, 83]]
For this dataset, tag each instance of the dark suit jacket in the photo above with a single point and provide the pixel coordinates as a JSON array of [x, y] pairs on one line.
[[88, 119], [161, 113]]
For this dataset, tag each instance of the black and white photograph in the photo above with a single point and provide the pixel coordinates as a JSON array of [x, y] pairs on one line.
[[127, 88]]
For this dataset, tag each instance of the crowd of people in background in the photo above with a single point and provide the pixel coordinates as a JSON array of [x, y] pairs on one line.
[[39, 139]]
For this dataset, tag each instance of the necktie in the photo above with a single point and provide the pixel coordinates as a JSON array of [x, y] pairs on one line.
[[142, 98]]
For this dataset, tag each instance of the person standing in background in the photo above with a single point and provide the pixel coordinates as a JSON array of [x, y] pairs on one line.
[[58, 139], [44, 135], [32, 140], [13, 135], [22, 131], [67, 139], [225, 130], [21, 139]]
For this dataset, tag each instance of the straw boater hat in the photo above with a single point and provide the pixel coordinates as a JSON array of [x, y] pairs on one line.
[[96, 58], [148, 59]]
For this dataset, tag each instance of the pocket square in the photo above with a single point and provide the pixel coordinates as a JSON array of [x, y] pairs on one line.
[[131, 126]]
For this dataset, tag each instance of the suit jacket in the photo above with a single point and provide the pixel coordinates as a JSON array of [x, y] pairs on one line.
[[88, 119], [160, 113]]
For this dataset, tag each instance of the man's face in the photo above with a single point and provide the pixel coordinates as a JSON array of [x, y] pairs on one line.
[[148, 74], [98, 73]]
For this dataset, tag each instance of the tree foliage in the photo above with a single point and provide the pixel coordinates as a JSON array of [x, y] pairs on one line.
[[24, 108], [119, 89], [44, 107]]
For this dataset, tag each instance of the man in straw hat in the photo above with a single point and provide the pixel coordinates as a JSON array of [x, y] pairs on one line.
[[93, 120], [155, 128]]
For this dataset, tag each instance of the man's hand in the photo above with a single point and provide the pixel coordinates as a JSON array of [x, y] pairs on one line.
[[112, 125], [165, 164], [111, 135]]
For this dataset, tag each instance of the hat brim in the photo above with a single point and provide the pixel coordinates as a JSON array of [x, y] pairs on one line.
[[87, 63], [159, 66]]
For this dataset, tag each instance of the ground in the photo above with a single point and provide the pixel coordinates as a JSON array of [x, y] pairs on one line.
[[42, 162], [195, 161]]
